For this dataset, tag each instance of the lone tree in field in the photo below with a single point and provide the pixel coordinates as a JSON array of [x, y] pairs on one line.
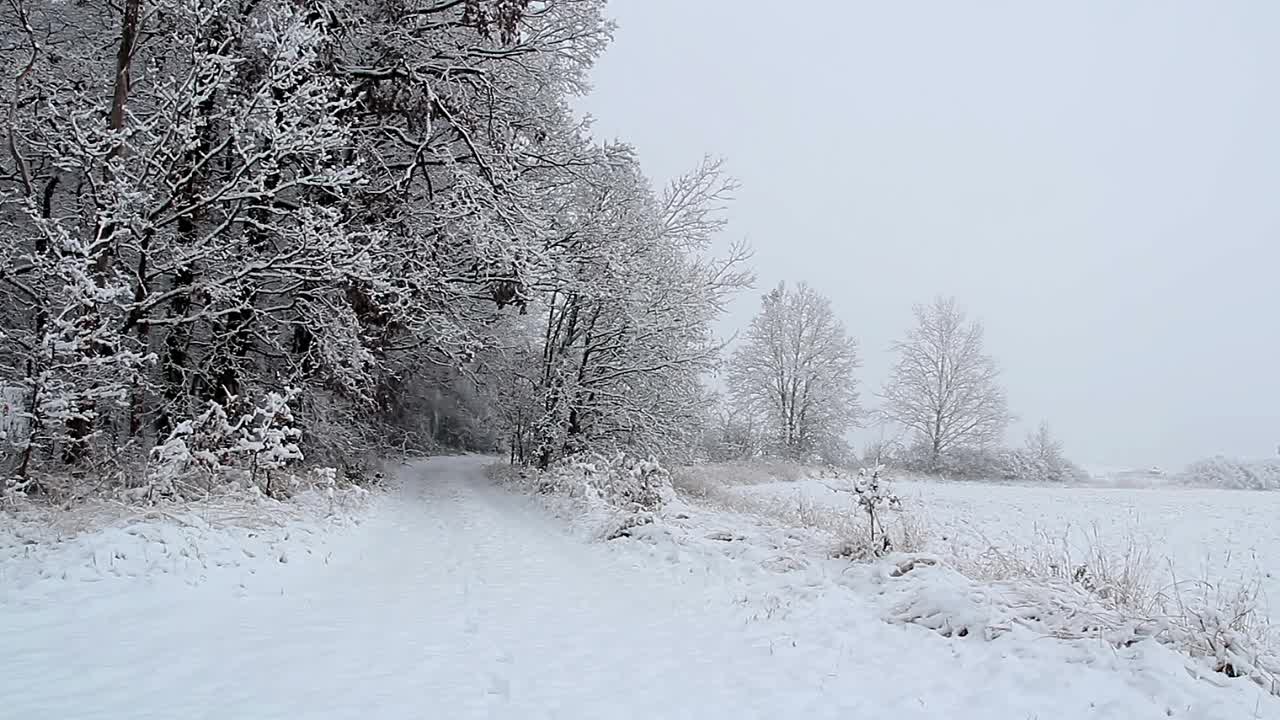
[[944, 389], [795, 369]]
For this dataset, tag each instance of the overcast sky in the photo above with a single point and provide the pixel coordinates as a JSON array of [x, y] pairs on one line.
[[1099, 182]]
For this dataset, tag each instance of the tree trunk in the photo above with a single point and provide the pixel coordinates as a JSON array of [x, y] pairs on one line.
[[81, 427]]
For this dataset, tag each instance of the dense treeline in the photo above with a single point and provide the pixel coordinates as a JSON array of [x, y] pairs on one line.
[[239, 232]]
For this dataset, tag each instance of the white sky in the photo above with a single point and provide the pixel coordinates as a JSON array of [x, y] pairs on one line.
[[1098, 181]]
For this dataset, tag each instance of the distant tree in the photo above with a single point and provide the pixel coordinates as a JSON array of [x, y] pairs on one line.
[[944, 389], [1041, 459], [795, 370], [1044, 447]]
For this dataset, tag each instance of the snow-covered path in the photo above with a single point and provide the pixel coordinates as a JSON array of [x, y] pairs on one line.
[[460, 600]]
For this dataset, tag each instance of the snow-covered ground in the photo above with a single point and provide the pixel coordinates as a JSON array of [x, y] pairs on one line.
[[233, 544], [454, 598], [1224, 537]]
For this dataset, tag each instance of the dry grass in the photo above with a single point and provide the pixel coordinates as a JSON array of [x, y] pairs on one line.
[[1095, 587], [1124, 578], [727, 474], [847, 529], [1126, 588], [1226, 624]]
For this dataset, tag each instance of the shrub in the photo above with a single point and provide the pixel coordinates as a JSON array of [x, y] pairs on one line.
[[198, 452], [1222, 472], [1023, 465], [622, 481], [976, 463], [874, 498]]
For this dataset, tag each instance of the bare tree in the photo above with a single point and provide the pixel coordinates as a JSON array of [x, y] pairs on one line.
[[1044, 447], [795, 369], [944, 389]]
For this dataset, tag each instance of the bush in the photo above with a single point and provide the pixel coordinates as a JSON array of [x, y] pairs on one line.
[[1022, 465], [262, 441], [628, 488], [1039, 460], [873, 497], [1222, 472], [621, 481], [965, 464], [1026, 464]]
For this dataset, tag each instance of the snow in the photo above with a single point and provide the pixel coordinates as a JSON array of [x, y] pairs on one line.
[[454, 598], [104, 548], [1226, 537]]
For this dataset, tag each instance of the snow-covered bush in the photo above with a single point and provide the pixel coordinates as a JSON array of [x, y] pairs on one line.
[[212, 447], [196, 451], [1222, 472], [970, 463], [268, 439], [873, 497], [873, 494], [1041, 460], [626, 489], [1023, 465], [1227, 627], [623, 481]]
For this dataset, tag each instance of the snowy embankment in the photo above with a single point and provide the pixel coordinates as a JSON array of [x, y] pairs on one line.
[[456, 598], [103, 548]]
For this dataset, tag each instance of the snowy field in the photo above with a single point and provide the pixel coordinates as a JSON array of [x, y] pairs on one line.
[[1228, 538], [452, 597]]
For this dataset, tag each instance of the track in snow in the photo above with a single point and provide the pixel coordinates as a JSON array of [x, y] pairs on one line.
[[459, 601]]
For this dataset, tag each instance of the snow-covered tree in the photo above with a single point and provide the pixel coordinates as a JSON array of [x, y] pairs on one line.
[[626, 318], [795, 369], [375, 202], [944, 389]]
